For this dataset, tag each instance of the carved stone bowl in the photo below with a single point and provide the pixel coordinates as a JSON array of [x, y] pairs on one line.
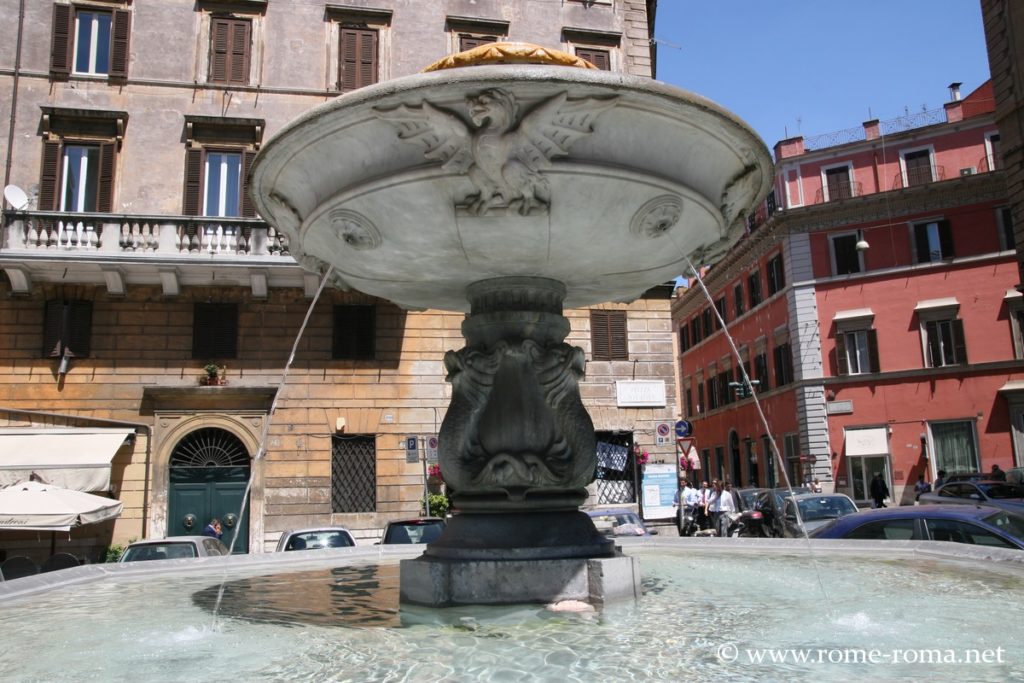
[[418, 187]]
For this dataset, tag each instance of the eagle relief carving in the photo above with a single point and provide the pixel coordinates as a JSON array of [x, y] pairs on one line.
[[504, 155]]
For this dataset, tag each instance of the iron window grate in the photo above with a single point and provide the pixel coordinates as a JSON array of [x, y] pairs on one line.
[[354, 474]]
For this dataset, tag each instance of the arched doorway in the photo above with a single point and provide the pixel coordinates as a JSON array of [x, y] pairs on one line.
[[209, 470], [736, 469]]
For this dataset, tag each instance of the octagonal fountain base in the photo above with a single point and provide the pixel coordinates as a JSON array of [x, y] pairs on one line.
[[442, 582]]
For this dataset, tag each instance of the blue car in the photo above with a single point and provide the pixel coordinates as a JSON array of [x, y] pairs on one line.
[[977, 525]]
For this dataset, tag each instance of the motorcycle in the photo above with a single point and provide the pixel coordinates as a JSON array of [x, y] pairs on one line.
[[687, 521]]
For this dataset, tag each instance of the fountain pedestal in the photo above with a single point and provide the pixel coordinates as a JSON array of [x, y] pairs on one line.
[[518, 186]]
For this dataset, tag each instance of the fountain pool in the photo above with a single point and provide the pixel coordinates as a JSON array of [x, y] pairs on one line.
[[335, 615]]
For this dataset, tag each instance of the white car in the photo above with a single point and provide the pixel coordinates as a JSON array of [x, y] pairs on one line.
[[315, 538], [173, 548]]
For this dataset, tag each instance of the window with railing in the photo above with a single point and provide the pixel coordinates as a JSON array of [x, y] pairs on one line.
[[917, 167], [353, 473], [838, 183], [933, 241]]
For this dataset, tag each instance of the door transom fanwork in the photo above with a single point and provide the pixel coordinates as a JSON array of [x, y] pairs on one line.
[[210, 447]]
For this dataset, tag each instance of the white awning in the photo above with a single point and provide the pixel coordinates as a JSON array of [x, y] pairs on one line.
[[77, 459], [873, 441]]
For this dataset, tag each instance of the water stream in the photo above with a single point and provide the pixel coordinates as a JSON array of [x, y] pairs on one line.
[[779, 461]]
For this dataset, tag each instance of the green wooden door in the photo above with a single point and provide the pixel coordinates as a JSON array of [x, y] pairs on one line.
[[199, 494]]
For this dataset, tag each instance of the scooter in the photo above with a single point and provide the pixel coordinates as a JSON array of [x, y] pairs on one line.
[[688, 521]]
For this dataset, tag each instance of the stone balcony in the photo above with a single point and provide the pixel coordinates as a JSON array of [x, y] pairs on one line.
[[172, 251]]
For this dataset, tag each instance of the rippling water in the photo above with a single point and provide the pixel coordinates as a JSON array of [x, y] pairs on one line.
[[698, 610]]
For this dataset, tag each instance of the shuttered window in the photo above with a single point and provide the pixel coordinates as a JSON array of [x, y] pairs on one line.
[[600, 58], [230, 48], [77, 176], [919, 167], [945, 342], [67, 328], [754, 287], [216, 182], [354, 332], [468, 42], [357, 66], [214, 331], [608, 337], [85, 40], [783, 365], [776, 275], [857, 352]]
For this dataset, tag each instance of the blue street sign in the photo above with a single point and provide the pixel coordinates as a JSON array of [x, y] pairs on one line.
[[683, 429]]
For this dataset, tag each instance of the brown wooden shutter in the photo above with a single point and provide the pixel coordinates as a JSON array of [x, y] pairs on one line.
[[192, 203], [842, 362], [49, 177], [469, 42], [599, 58], [240, 44], [62, 40], [599, 340], [119, 43], [248, 210], [620, 340], [959, 341], [105, 191], [78, 330], [873, 351], [220, 36], [357, 65], [214, 331], [67, 326], [53, 321], [934, 350]]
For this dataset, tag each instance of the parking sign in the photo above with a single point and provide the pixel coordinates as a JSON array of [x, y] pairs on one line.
[[412, 451]]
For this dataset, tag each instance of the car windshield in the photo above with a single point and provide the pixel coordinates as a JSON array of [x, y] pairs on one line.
[[999, 491], [826, 507], [159, 551], [413, 532], [312, 540], [749, 497], [1011, 524]]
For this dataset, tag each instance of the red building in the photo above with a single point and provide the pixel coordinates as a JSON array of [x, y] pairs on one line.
[[873, 304]]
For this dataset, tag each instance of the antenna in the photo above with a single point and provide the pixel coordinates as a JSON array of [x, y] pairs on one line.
[[666, 43], [16, 197]]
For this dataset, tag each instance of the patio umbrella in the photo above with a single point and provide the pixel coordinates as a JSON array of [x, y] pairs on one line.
[[35, 506]]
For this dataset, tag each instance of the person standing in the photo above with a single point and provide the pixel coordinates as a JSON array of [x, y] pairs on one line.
[[879, 491], [997, 473], [921, 487], [940, 480], [701, 510], [815, 486], [213, 529]]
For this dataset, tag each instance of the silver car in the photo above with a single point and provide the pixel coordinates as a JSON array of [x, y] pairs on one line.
[[315, 538], [173, 548]]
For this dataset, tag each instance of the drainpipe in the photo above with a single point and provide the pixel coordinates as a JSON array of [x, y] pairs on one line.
[[14, 95], [120, 423]]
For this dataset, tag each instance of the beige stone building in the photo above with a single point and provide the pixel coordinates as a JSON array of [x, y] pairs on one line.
[[147, 314]]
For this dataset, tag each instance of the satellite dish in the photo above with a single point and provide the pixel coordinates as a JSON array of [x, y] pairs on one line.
[[16, 197]]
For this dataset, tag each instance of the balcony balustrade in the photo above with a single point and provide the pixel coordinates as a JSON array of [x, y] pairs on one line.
[[838, 192], [918, 176], [135, 236]]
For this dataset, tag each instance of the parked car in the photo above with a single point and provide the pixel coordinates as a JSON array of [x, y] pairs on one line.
[[770, 502], [315, 538], [420, 530], [173, 548], [995, 493], [619, 522], [976, 524], [816, 509], [1015, 475], [964, 476]]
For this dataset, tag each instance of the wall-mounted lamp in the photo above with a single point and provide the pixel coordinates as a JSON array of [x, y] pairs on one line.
[[862, 244]]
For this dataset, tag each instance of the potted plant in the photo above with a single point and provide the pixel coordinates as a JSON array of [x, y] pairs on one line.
[[215, 375]]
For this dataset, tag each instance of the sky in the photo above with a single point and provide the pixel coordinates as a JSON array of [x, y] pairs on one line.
[[808, 67]]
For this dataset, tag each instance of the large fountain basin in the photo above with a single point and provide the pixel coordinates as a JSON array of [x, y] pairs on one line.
[[334, 615]]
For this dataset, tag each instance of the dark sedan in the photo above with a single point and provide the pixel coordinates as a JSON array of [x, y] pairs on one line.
[[995, 493], [975, 525]]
